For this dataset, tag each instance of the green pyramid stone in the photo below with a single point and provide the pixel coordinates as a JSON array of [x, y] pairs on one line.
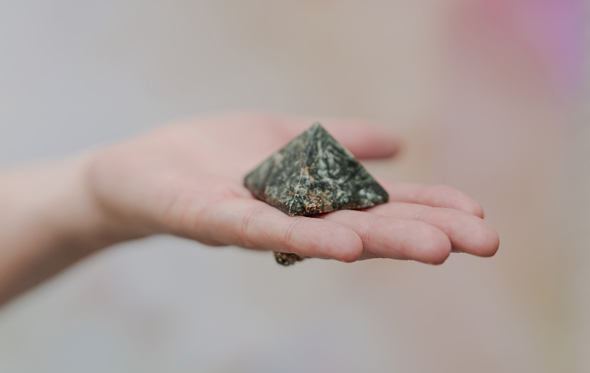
[[314, 174]]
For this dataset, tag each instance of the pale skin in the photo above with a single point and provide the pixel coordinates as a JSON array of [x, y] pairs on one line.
[[186, 180]]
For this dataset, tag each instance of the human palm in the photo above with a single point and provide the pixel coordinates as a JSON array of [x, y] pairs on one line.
[[186, 180]]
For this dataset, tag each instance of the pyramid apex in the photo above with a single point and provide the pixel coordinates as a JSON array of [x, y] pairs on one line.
[[315, 126]]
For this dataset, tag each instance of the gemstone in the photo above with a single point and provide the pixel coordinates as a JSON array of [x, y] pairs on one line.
[[314, 174]]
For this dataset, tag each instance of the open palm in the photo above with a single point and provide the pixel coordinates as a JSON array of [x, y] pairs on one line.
[[186, 180]]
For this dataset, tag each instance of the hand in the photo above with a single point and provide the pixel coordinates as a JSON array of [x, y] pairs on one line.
[[186, 180]]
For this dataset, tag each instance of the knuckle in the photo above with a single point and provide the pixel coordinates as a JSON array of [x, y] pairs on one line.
[[295, 223], [423, 213], [370, 227], [244, 234]]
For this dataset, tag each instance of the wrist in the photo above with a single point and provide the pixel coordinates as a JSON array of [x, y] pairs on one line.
[[81, 219], [54, 209], [49, 220]]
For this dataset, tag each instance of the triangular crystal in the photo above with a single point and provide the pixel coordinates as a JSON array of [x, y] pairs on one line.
[[314, 174]]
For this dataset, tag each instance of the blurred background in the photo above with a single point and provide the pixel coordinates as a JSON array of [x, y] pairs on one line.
[[490, 96]]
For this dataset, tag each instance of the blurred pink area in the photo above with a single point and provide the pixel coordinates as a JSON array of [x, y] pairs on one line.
[[549, 32]]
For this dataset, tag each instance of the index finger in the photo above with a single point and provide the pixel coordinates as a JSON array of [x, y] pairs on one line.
[[253, 224]]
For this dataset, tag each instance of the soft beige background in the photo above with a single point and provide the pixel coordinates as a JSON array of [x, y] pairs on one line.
[[476, 110]]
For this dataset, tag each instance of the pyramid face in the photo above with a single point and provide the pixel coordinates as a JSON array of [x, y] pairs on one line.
[[314, 174]]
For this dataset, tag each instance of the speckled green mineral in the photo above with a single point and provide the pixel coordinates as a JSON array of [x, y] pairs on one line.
[[314, 174]]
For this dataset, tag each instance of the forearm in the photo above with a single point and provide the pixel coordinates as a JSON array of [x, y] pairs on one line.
[[49, 220]]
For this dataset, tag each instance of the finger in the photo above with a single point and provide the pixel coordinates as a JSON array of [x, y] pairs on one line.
[[386, 237], [362, 138], [432, 195], [467, 233], [254, 224]]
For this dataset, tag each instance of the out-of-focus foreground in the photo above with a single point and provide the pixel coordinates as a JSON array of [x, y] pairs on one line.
[[490, 96]]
